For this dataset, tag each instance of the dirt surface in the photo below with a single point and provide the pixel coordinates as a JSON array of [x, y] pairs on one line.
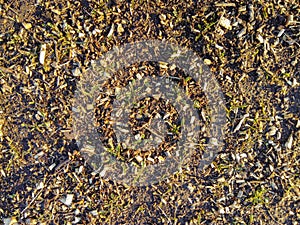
[[251, 47]]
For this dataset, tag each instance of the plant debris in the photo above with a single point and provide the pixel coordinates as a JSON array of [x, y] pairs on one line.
[[46, 47]]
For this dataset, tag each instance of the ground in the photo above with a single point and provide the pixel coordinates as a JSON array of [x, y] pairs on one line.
[[251, 47]]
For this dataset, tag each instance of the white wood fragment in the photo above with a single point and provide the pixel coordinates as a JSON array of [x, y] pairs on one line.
[[76, 72], [251, 12], [260, 38], [221, 211], [243, 155], [27, 26], [80, 169], [139, 76], [280, 33], [219, 47], [112, 29], [240, 123], [120, 28], [225, 4], [240, 194], [94, 213], [43, 53], [68, 199], [289, 142], [213, 141], [298, 124], [207, 62], [76, 220], [191, 187], [193, 120], [96, 31], [81, 35], [52, 166], [226, 23], [139, 158], [151, 159], [103, 172], [272, 131], [3, 173], [241, 33], [240, 181], [271, 168], [40, 186], [1, 126]]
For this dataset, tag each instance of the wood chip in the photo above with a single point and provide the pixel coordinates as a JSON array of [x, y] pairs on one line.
[[289, 142], [68, 199], [226, 23], [42, 53]]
